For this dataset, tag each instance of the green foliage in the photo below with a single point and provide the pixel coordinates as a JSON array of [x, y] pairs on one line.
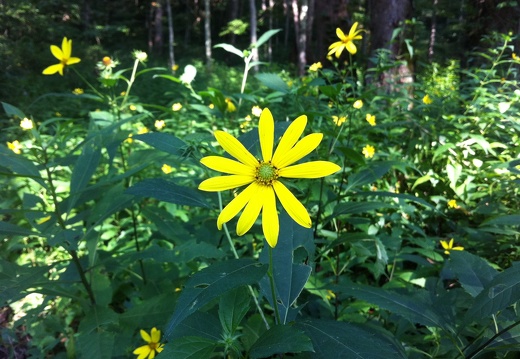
[[105, 232]]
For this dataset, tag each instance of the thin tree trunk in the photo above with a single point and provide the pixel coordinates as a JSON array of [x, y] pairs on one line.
[[254, 50], [287, 12], [207, 33], [171, 36], [300, 16], [158, 30], [233, 16], [433, 31], [270, 43]]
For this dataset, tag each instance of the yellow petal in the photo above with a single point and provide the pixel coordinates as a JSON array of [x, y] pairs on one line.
[[160, 348], [156, 335], [289, 138], [291, 204], [334, 45], [56, 52], [146, 337], [235, 205], [352, 31], [252, 210], [314, 169], [458, 248], [142, 351], [340, 33], [73, 60], [351, 47], [223, 183], [305, 146], [444, 245], [152, 354], [235, 148], [227, 165], [270, 222], [66, 46], [450, 245], [266, 134]]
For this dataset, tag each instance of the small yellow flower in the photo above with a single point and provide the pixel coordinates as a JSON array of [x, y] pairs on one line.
[[515, 57], [452, 204], [346, 41], [230, 105], [449, 247], [339, 120], [175, 67], [143, 130], [371, 119], [78, 91], [262, 176], [176, 107], [152, 347], [369, 151], [358, 104], [159, 124], [123, 93], [166, 168], [107, 61], [26, 124], [211, 106], [315, 67], [15, 146], [330, 58], [132, 107], [63, 55], [129, 139], [256, 111], [427, 100]]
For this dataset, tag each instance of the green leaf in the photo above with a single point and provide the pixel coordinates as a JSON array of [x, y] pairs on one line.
[[281, 339], [9, 229], [341, 340], [289, 277], [199, 324], [416, 308], [230, 48], [13, 111], [15, 280], [266, 36], [96, 318], [189, 348], [233, 307], [167, 191], [273, 81], [19, 165], [168, 77], [359, 207], [210, 283], [473, 272], [163, 141], [97, 345], [503, 220], [501, 292], [368, 175]]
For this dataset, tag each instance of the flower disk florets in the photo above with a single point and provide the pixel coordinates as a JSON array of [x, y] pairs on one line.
[[266, 173]]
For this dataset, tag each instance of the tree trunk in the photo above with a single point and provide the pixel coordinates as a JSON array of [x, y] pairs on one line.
[[207, 33], [171, 36], [158, 30], [301, 18], [385, 17], [433, 31], [233, 16]]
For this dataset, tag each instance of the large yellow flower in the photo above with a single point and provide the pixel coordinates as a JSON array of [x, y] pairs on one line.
[[63, 55], [152, 347], [262, 176], [346, 41]]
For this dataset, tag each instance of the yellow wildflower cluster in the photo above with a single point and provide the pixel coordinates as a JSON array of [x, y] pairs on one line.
[[315, 67], [369, 151], [371, 119], [339, 120]]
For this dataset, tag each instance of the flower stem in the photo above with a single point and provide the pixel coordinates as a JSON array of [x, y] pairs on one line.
[[235, 254], [130, 83], [270, 274], [88, 83]]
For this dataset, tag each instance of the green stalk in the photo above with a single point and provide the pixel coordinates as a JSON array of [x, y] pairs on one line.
[[270, 274], [130, 83]]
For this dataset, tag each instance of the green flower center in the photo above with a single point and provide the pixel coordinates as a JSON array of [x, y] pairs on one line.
[[266, 173]]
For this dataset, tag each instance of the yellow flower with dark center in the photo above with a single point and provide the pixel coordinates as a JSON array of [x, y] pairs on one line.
[[358, 104], [346, 41], [449, 247], [166, 168], [339, 120], [315, 67], [230, 105], [159, 124], [427, 100], [15, 146], [263, 176], [452, 203], [369, 151], [26, 124], [152, 347], [371, 119], [63, 55]]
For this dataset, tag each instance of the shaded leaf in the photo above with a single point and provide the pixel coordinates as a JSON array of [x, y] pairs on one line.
[[473, 272], [232, 308], [273, 81], [281, 339], [163, 141], [192, 347]]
